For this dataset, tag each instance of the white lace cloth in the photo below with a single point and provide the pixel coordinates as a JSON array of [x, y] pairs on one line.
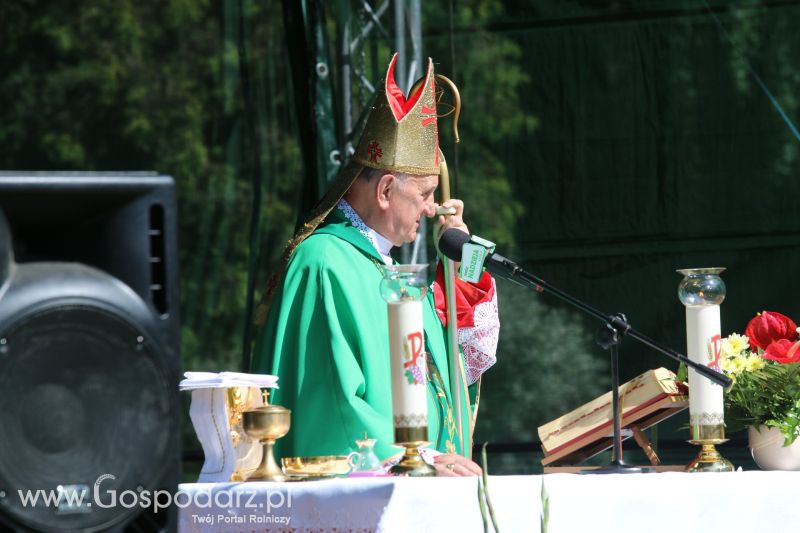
[[479, 343]]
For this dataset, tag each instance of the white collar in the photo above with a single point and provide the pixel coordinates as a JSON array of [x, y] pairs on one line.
[[382, 245]]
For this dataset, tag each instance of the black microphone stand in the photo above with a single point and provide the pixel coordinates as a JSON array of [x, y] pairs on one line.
[[610, 334]]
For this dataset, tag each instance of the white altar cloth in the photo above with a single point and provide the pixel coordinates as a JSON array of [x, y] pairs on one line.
[[668, 502]]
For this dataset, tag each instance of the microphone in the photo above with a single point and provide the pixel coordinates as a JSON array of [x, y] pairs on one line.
[[451, 244]]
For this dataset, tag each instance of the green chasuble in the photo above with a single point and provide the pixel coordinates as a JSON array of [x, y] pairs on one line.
[[326, 338]]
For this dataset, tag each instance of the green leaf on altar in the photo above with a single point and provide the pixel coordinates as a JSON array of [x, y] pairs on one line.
[[545, 517]]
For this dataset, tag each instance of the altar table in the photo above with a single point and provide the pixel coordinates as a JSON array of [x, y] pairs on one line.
[[667, 502]]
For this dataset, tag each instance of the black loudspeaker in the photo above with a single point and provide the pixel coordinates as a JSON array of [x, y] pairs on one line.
[[89, 352]]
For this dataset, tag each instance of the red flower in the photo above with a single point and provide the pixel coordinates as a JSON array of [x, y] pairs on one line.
[[768, 327], [783, 351]]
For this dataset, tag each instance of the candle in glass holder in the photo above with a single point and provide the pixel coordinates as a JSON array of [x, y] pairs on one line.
[[701, 291], [403, 288]]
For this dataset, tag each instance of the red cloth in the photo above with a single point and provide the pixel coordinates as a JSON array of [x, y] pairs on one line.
[[468, 296]]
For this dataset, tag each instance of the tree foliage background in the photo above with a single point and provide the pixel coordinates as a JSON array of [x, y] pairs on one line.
[[157, 85]]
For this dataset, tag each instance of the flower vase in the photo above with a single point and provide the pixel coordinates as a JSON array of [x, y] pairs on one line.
[[769, 453]]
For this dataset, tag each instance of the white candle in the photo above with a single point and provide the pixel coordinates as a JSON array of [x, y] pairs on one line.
[[703, 343], [407, 353]]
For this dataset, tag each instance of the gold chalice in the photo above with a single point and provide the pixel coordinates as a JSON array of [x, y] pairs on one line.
[[267, 423]]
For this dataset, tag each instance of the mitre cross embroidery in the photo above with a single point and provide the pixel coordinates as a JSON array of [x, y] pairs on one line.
[[428, 115], [375, 151]]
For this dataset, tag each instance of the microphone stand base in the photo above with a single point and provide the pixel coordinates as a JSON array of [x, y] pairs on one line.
[[618, 467]]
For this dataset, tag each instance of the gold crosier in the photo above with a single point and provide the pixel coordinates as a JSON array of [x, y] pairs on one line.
[[464, 421]]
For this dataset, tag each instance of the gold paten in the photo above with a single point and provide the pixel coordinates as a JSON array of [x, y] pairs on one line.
[[322, 465], [268, 423]]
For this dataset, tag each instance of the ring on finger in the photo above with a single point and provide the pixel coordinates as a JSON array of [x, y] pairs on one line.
[[450, 466]]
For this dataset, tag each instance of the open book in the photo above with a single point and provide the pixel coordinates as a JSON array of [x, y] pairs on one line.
[[588, 430]]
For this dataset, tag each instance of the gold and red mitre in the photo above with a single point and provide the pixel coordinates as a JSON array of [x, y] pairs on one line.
[[400, 135]]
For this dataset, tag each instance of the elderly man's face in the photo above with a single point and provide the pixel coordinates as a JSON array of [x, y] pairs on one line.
[[412, 200]]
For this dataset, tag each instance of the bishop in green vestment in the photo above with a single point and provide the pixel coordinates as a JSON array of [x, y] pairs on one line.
[[326, 333], [329, 345]]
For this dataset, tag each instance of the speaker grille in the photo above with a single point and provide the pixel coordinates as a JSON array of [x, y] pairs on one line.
[[85, 393]]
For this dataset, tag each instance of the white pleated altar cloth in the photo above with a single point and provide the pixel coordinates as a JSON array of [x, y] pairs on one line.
[[668, 502]]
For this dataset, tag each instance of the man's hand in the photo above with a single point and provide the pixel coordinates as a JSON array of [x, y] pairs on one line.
[[454, 465], [445, 222]]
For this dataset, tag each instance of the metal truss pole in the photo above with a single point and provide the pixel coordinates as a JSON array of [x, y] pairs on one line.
[[361, 26]]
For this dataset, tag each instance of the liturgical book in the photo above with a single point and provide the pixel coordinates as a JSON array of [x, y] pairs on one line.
[[644, 401]]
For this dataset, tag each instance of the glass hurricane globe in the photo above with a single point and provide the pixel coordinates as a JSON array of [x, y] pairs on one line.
[[701, 286], [404, 283]]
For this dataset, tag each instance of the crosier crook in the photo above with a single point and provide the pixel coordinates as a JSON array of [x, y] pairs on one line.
[[458, 384]]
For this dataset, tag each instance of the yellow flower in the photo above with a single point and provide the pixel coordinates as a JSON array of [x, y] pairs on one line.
[[732, 365], [734, 352], [734, 344], [754, 362]]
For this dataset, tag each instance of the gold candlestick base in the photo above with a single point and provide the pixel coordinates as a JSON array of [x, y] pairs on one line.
[[412, 464], [709, 459]]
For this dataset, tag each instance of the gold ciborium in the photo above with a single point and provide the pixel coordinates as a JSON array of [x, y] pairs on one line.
[[267, 423]]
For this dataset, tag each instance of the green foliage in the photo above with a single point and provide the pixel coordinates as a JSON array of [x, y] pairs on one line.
[[89, 93], [769, 396], [483, 484], [486, 68], [544, 519], [156, 85]]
